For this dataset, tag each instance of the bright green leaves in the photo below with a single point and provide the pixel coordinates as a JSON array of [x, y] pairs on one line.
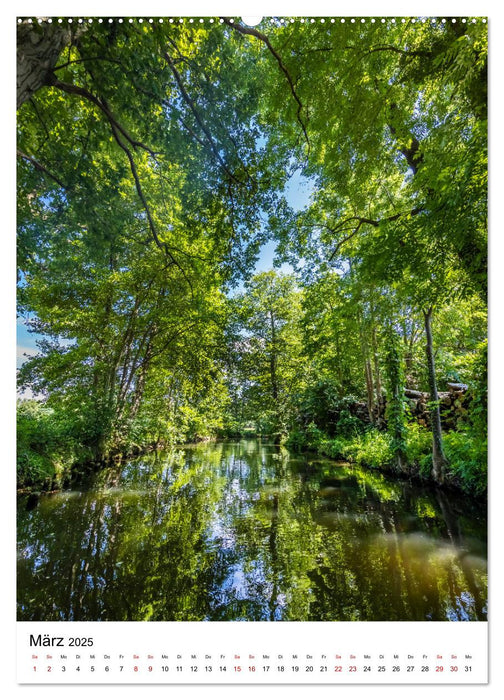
[[265, 351]]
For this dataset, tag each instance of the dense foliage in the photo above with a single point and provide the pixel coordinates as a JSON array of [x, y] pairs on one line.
[[154, 161]]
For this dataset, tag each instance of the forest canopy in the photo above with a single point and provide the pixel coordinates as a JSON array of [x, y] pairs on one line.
[[155, 159]]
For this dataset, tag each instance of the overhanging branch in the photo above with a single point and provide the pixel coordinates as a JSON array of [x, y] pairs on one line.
[[262, 37], [361, 220], [187, 99], [103, 106], [119, 132], [152, 226]]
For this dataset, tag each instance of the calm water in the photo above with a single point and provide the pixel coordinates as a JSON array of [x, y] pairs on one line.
[[245, 531]]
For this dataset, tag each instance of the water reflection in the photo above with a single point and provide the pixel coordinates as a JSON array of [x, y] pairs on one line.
[[243, 531]]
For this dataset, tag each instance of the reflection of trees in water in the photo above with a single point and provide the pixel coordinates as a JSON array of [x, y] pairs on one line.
[[58, 568], [122, 554], [274, 558], [398, 571], [239, 532], [252, 526], [474, 586]]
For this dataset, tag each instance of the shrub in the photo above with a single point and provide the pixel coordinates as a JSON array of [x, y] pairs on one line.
[[348, 425], [333, 447], [45, 449], [296, 439], [316, 440], [313, 436], [418, 445], [373, 449], [319, 404], [467, 458]]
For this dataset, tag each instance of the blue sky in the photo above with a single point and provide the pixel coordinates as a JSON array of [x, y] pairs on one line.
[[25, 341], [297, 192]]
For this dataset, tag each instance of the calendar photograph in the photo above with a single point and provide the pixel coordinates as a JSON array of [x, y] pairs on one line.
[[252, 320]]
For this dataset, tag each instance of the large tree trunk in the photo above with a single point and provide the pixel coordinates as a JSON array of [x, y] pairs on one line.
[[273, 359], [438, 457], [368, 372], [395, 413], [369, 389], [376, 364], [38, 49], [275, 389]]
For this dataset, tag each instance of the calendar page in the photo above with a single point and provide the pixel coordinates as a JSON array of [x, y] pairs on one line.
[[252, 347]]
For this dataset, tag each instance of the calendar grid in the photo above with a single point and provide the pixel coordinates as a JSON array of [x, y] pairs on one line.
[[337, 653]]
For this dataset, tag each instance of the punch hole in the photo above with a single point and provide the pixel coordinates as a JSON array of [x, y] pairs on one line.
[[251, 21]]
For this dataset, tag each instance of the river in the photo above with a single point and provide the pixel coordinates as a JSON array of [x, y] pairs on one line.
[[247, 531]]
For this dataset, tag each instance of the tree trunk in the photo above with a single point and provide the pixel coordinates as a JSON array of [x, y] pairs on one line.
[[438, 457], [38, 49], [369, 389], [278, 428], [273, 360], [139, 390], [413, 394], [376, 364], [395, 413], [368, 372], [339, 362]]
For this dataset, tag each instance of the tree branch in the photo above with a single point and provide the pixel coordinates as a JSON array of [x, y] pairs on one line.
[[412, 153], [262, 37], [41, 168], [101, 104], [117, 131], [372, 222], [84, 60], [394, 49], [192, 107], [153, 228], [173, 337]]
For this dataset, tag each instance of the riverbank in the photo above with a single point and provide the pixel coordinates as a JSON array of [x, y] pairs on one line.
[[51, 473], [373, 449], [56, 447], [51, 458]]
